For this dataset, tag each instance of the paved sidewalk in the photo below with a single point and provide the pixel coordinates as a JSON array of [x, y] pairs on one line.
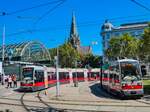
[[84, 92], [89, 96], [4, 91]]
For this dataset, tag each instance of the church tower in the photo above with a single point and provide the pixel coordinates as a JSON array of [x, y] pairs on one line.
[[74, 38]]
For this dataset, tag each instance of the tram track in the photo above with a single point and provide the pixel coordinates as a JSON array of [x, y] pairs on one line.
[[67, 102], [23, 104], [28, 105], [70, 102], [36, 105]]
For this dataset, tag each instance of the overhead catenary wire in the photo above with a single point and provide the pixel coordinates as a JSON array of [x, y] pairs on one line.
[[83, 24], [64, 27], [141, 5], [49, 11], [30, 8]]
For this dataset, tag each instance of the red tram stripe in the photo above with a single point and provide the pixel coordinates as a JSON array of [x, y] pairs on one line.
[[39, 84], [132, 87]]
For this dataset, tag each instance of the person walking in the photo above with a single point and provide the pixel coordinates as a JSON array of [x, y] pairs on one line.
[[14, 80], [0, 77], [9, 82]]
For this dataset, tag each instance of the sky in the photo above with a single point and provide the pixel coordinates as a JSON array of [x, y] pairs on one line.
[[54, 27]]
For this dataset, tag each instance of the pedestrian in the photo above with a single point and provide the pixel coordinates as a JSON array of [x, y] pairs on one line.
[[2, 79], [14, 78], [9, 81], [95, 76]]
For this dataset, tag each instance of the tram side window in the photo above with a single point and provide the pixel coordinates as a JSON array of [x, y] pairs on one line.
[[116, 77], [111, 75], [105, 75], [117, 68], [39, 76]]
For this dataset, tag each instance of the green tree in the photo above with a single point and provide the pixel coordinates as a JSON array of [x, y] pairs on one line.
[[67, 55], [123, 46], [145, 45], [90, 60], [114, 47]]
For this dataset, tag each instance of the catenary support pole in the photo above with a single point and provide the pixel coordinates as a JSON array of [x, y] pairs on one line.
[[57, 75]]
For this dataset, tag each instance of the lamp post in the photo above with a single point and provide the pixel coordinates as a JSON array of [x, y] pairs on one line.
[[57, 76], [76, 75], [3, 55], [101, 64], [101, 71]]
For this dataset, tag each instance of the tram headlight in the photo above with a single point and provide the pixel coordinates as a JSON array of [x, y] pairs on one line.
[[123, 84]]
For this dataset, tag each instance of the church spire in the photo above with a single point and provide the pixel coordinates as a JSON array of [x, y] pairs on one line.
[[74, 36], [73, 30]]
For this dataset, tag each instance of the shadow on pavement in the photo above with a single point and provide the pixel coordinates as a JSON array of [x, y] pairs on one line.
[[99, 92]]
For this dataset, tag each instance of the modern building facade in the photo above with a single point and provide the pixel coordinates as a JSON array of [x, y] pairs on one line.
[[74, 39], [108, 30]]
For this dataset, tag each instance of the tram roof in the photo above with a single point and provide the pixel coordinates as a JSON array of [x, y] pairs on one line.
[[34, 66], [123, 60]]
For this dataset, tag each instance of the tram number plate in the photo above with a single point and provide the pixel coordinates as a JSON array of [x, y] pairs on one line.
[[133, 92]]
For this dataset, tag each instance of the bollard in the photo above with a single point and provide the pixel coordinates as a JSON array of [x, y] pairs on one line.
[[45, 92]]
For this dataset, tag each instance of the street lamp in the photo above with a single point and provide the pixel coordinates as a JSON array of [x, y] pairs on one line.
[[3, 54], [57, 76], [101, 71], [76, 75], [101, 64]]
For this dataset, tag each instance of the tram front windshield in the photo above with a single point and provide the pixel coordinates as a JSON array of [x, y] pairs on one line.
[[27, 74], [130, 71]]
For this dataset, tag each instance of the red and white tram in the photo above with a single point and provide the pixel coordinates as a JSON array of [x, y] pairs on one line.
[[34, 78], [123, 78], [38, 77]]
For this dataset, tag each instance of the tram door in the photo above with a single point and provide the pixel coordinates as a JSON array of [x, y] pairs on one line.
[[39, 78], [114, 77], [79, 76]]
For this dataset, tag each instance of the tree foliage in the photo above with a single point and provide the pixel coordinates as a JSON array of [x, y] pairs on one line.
[[67, 55], [90, 60], [145, 45], [71, 58], [123, 46]]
